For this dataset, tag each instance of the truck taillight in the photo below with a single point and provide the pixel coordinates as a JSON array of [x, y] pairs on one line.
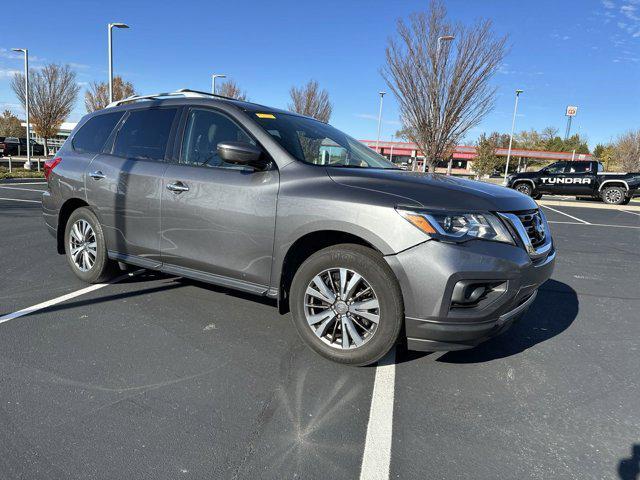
[[49, 165]]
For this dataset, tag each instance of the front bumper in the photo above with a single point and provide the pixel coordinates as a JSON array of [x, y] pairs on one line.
[[429, 272]]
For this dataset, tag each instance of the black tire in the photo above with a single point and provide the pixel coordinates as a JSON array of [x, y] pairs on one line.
[[626, 201], [524, 188], [102, 268], [376, 272], [613, 195], [537, 196]]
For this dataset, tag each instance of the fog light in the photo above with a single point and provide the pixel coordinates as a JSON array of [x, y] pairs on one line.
[[473, 293]]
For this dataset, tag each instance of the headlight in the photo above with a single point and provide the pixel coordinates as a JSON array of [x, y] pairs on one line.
[[458, 226]]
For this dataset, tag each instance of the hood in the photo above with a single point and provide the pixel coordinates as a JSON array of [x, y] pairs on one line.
[[433, 190]]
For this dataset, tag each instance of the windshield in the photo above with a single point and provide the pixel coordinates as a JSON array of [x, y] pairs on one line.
[[314, 142]]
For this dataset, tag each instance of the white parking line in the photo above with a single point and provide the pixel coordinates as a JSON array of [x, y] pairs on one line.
[[567, 215], [376, 459], [632, 213], [24, 189], [594, 224], [63, 298], [20, 200]]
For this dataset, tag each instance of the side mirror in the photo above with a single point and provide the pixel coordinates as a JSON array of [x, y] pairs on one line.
[[240, 153]]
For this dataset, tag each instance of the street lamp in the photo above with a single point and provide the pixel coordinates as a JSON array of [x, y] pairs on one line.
[[213, 81], [109, 27], [26, 103], [382, 94], [513, 125]]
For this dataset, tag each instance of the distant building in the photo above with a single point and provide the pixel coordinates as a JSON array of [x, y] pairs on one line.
[[462, 158], [56, 142]]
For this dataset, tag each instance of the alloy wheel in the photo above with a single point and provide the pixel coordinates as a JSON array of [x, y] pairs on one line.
[[341, 308], [613, 195], [82, 245]]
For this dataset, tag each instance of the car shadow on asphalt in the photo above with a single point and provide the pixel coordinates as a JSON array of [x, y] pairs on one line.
[[629, 468], [552, 313]]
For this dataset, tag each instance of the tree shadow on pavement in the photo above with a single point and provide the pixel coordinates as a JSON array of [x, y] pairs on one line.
[[629, 468], [552, 312]]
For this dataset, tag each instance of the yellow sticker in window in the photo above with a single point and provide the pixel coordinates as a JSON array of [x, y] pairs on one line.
[[265, 115]]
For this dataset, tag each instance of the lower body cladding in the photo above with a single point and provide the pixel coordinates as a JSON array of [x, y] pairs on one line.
[[459, 295]]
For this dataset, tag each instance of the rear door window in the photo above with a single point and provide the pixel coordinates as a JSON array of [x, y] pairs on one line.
[[579, 167], [92, 135], [145, 134]]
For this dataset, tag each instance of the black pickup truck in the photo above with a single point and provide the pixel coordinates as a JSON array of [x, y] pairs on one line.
[[579, 178]]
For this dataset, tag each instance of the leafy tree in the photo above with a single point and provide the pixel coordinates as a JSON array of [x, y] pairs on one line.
[[529, 140], [577, 143], [97, 96], [599, 150], [309, 100], [486, 160], [442, 95], [230, 89], [627, 150], [52, 93], [10, 125], [608, 157]]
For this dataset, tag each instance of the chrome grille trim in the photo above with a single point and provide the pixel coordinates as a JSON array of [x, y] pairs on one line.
[[536, 243]]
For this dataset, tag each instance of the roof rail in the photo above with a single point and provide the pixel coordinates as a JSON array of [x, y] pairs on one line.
[[183, 92]]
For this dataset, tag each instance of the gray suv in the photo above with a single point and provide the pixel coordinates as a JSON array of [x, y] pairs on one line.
[[248, 197]]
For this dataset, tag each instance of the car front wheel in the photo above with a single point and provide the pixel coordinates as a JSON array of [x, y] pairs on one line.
[[347, 305], [85, 247]]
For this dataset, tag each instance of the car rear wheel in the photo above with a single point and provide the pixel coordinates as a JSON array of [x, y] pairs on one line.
[[85, 247], [347, 305], [524, 187], [613, 195]]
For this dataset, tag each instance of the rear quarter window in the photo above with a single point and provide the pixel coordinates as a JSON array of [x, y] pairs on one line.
[[94, 133]]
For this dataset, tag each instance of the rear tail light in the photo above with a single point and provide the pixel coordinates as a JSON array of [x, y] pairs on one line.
[[49, 165]]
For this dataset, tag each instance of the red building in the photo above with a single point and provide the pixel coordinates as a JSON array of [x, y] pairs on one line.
[[462, 158]]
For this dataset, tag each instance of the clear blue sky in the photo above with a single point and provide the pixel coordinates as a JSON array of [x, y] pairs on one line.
[[574, 52]]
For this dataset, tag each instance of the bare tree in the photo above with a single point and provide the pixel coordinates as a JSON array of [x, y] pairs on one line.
[[442, 95], [627, 150], [231, 89], [309, 100], [97, 96], [52, 94]]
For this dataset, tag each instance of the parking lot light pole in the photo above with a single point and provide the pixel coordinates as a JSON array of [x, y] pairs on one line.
[[109, 28], [513, 126], [213, 81], [382, 94], [26, 104]]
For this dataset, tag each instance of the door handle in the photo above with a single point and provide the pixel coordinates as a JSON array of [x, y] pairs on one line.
[[177, 187], [97, 175]]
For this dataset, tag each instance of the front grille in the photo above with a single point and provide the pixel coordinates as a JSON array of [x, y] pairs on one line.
[[533, 224]]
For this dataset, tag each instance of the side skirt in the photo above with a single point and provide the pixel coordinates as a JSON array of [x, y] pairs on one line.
[[199, 275]]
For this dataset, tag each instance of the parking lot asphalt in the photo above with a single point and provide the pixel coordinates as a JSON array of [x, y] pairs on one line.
[[161, 377]]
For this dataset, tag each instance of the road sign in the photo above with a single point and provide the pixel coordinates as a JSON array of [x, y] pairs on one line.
[[571, 111]]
